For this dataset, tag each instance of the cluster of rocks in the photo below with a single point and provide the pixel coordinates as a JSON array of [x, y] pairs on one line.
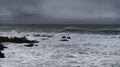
[[17, 40], [65, 38], [14, 40]]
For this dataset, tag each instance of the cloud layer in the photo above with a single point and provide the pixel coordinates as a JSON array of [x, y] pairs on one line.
[[50, 11]]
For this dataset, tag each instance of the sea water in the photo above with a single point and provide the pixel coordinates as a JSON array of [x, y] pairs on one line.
[[89, 46]]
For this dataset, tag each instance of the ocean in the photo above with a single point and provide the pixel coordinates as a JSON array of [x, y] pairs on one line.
[[82, 28], [60, 45]]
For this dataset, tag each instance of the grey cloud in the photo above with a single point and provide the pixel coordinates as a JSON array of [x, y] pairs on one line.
[[50, 11], [79, 8]]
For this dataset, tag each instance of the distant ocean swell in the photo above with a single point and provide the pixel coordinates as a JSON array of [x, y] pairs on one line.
[[94, 29]]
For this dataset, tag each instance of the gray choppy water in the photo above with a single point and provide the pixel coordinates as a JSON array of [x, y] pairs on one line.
[[107, 29]]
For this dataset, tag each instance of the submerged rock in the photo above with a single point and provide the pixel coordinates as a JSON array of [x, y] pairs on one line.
[[27, 35], [44, 38], [29, 45], [36, 35]]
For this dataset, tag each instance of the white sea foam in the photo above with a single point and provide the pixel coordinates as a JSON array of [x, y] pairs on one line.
[[83, 50]]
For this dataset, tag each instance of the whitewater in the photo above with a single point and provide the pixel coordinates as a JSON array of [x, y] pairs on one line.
[[82, 50]]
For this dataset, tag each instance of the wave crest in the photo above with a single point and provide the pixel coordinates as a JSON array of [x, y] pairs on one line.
[[71, 29]]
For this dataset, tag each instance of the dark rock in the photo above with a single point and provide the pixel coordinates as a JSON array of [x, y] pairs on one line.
[[63, 36], [28, 35], [36, 45], [44, 35], [2, 47], [29, 45], [49, 36], [64, 40], [2, 55], [17, 40], [68, 37]]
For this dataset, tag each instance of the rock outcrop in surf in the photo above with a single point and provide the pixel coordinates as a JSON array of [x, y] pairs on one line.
[[1, 49], [17, 40]]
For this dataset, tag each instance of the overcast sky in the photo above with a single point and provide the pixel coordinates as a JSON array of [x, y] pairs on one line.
[[59, 11]]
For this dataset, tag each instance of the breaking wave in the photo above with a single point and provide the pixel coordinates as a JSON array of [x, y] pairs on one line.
[[91, 30], [71, 29]]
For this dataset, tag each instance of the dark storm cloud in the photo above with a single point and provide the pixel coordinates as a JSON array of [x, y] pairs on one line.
[[52, 11]]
